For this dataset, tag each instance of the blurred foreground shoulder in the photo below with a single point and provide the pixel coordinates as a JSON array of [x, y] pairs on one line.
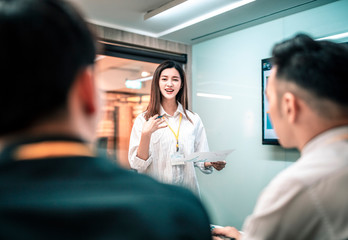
[[172, 212]]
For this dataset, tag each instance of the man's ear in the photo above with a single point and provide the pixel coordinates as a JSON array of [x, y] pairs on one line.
[[290, 107], [86, 90]]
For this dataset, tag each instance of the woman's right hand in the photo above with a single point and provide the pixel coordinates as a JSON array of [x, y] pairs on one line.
[[153, 124]]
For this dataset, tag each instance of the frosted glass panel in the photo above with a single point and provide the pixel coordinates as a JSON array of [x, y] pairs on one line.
[[229, 68]]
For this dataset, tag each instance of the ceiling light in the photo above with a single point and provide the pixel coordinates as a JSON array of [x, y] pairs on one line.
[[137, 83], [163, 8], [133, 84], [141, 79], [213, 96], [206, 16], [334, 37], [145, 74]]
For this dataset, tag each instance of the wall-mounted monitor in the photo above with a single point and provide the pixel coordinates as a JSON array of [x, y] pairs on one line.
[[268, 134]]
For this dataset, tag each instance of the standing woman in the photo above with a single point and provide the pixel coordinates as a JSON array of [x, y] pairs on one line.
[[167, 132]]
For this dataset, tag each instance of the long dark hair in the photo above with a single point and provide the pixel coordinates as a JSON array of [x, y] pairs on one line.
[[156, 96]]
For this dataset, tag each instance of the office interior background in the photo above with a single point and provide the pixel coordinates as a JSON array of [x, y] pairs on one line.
[[222, 58]]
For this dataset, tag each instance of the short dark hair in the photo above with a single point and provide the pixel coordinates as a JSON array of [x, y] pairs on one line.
[[43, 46], [319, 67]]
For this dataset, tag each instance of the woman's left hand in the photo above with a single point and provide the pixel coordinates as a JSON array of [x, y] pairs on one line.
[[217, 165]]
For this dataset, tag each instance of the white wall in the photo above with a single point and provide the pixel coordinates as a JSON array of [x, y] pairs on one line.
[[231, 65]]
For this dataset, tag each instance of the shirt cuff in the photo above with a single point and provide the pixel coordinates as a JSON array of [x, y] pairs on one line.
[[140, 164]]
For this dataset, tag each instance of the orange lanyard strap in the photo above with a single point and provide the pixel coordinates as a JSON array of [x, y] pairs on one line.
[[177, 134], [51, 149]]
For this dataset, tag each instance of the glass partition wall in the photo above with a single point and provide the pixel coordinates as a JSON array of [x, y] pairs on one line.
[[125, 86]]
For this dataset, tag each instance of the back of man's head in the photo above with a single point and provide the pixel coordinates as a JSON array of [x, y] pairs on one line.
[[43, 45], [318, 67]]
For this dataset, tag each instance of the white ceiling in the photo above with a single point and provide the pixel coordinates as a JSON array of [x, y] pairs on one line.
[[128, 15]]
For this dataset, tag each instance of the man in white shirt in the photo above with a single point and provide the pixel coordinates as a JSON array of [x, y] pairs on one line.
[[308, 104]]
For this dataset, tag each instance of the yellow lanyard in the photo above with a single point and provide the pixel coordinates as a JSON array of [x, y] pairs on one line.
[[52, 149], [177, 134]]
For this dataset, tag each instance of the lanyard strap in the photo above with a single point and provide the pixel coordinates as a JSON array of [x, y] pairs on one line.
[[177, 134], [52, 149]]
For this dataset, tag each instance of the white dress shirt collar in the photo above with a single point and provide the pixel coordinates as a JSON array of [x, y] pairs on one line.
[[177, 112], [331, 135]]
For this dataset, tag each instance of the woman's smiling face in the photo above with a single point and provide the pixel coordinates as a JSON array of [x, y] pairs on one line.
[[169, 83]]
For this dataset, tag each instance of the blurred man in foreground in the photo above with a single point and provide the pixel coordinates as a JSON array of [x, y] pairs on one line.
[[52, 186], [308, 103]]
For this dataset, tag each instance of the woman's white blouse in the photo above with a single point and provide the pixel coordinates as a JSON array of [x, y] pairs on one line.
[[192, 138]]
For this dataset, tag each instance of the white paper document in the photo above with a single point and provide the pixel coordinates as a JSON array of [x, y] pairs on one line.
[[207, 156]]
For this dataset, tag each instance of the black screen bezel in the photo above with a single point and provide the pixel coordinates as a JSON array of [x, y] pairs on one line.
[[265, 65]]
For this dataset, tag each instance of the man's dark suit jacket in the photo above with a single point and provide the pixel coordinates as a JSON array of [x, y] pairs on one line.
[[92, 198]]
